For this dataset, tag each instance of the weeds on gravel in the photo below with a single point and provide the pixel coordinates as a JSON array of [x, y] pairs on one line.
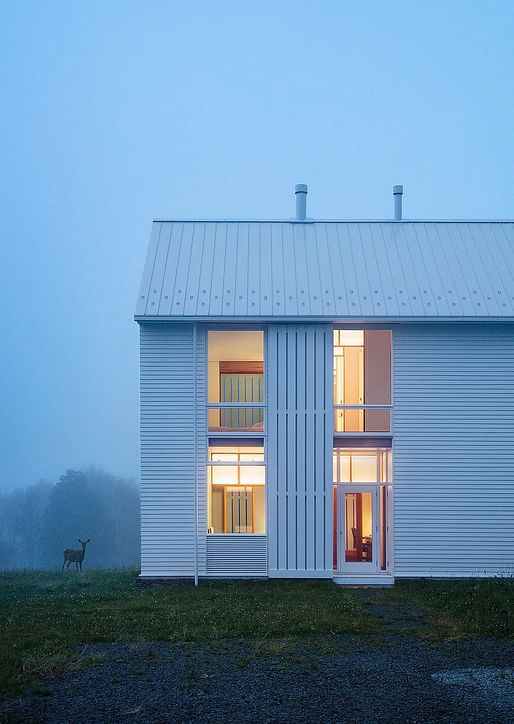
[[56, 663], [43, 615], [472, 606]]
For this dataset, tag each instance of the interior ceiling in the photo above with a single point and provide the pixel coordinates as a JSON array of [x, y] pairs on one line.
[[235, 346]]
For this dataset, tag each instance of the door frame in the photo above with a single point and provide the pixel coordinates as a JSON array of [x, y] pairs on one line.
[[369, 567]]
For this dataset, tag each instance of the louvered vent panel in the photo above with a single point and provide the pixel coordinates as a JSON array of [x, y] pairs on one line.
[[236, 555]]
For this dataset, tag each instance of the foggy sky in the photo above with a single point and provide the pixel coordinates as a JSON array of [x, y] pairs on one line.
[[115, 113]]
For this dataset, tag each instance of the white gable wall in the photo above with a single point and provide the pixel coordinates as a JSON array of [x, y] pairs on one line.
[[454, 449], [453, 453]]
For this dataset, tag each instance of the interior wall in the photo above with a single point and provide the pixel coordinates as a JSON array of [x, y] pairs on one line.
[[377, 376], [353, 388], [259, 509], [233, 346]]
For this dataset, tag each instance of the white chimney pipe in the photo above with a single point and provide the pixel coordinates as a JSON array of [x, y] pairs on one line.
[[300, 191], [398, 195]]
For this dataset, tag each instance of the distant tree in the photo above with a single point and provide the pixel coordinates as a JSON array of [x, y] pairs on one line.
[[75, 510], [3, 517], [7, 555], [9, 529], [120, 499], [29, 521]]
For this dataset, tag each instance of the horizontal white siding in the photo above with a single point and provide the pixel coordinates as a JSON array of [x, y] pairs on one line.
[[201, 445], [167, 451], [454, 450], [232, 556], [299, 450]]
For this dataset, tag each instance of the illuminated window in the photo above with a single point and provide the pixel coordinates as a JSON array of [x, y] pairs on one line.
[[356, 466], [361, 466], [236, 489], [235, 375], [362, 483], [362, 376]]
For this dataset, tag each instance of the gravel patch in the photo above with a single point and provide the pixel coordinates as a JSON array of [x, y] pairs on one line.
[[496, 685], [370, 678]]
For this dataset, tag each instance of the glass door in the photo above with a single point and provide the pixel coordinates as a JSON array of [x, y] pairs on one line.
[[358, 539]]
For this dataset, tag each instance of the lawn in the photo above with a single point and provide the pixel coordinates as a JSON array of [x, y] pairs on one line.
[[46, 616]]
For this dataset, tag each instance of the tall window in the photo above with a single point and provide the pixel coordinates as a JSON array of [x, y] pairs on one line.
[[362, 481], [236, 470], [362, 380]]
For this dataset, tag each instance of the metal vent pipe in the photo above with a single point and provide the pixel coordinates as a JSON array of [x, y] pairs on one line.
[[300, 191], [398, 196]]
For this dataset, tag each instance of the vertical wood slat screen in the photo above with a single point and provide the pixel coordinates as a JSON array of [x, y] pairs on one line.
[[299, 450]]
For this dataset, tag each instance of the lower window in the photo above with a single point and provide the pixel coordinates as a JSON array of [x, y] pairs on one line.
[[236, 490]]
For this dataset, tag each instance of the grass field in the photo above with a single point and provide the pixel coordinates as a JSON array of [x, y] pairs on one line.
[[46, 616]]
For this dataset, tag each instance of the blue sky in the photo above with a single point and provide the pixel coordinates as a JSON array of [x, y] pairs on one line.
[[114, 113]]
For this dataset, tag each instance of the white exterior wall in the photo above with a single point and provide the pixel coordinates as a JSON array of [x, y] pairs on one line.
[[167, 450], [454, 449], [299, 450]]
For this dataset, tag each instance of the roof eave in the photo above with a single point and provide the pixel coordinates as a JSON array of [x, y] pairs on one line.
[[302, 320]]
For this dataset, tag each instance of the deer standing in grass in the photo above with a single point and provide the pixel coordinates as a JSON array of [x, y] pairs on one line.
[[74, 556]]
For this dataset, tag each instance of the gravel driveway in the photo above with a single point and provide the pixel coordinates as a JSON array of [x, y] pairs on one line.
[[390, 677]]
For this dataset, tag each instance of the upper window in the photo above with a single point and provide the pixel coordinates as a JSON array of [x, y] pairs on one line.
[[236, 381], [362, 380]]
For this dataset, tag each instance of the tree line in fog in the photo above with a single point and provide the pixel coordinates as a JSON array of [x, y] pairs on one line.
[[38, 522]]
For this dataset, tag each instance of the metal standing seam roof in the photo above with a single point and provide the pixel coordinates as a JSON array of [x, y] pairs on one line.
[[376, 270]]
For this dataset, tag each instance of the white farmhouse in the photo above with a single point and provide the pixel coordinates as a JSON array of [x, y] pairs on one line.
[[327, 399]]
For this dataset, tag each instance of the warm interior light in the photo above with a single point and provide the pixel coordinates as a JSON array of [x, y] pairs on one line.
[[349, 337], [355, 466], [224, 475], [236, 491], [364, 468], [220, 457], [251, 475], [246, 453]]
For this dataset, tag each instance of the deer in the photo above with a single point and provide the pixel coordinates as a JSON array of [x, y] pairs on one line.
[[75, 556]]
